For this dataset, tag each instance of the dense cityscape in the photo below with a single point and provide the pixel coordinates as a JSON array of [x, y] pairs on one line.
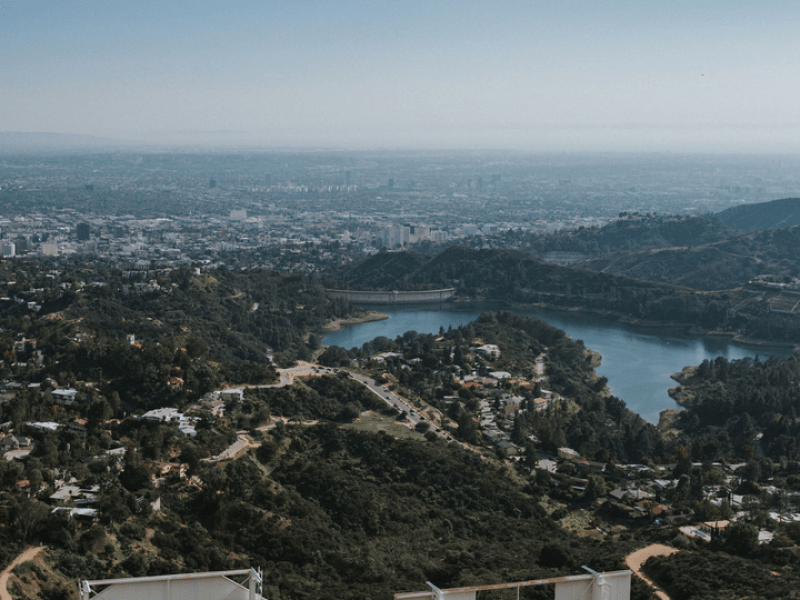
[[304, 211]]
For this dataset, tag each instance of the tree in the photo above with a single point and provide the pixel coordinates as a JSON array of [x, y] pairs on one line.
[[739, 538], [35, 479], [751, 471], [136, 564], [191, 454], [135, 475], [705, 511], [195, 347], [467, 429], [596, 488], [115, 403], [348, 414], [31, 518], [555, 556], [113, 504], [99, 412]]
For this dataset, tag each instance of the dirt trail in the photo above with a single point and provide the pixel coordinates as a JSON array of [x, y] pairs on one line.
[[25, 556], [638, 558]]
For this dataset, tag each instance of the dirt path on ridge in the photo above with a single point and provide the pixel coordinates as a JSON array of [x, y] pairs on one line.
[[636, 559], [26, 555]]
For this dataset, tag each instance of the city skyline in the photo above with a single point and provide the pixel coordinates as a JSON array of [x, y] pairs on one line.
[[568, 76]]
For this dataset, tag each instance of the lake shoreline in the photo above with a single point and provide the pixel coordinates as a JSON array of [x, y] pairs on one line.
[[639, 325], [636, 362], [337, 324], [658, 327]]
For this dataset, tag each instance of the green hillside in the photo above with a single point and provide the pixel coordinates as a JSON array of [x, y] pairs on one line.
[[777, 214], [522, 278], [319, 490]]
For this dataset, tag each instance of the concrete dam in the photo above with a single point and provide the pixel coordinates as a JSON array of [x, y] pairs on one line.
[[393, 297]]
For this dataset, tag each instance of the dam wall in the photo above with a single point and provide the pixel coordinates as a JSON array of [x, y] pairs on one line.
[[392, 297]]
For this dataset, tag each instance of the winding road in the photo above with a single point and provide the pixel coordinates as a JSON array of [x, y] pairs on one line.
[[638, 558], [26, 555]]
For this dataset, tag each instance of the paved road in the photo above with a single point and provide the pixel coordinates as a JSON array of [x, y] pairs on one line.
[[305, 369], [540, 368], [230, 451], [397, 402]]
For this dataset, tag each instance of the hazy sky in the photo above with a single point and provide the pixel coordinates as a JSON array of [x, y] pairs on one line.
[[697, 75]]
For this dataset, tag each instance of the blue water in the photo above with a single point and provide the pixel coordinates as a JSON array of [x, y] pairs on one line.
[[637, 365]]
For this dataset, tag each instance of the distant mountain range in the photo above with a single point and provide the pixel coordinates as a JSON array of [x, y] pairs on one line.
[[19, 142]]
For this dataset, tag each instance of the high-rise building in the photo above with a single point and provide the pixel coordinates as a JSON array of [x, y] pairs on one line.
[[8, 249], [84, 232], [395, 237]]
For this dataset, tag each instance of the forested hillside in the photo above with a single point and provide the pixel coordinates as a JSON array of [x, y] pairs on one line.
[[635, 232], [519, 277], [713, 252], [494, 274], [777, 214], [724, 264], [742, 409], [327, 510], [323, 491], [704, 253], [703, 268], [158, 338]]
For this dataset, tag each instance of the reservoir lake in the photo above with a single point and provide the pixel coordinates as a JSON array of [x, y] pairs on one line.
[[637, 363]]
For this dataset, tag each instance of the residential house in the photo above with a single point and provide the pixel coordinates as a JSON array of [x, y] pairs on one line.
[[232, 394]]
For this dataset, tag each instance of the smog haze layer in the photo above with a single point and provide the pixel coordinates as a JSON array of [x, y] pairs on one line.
[[701, 76]]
